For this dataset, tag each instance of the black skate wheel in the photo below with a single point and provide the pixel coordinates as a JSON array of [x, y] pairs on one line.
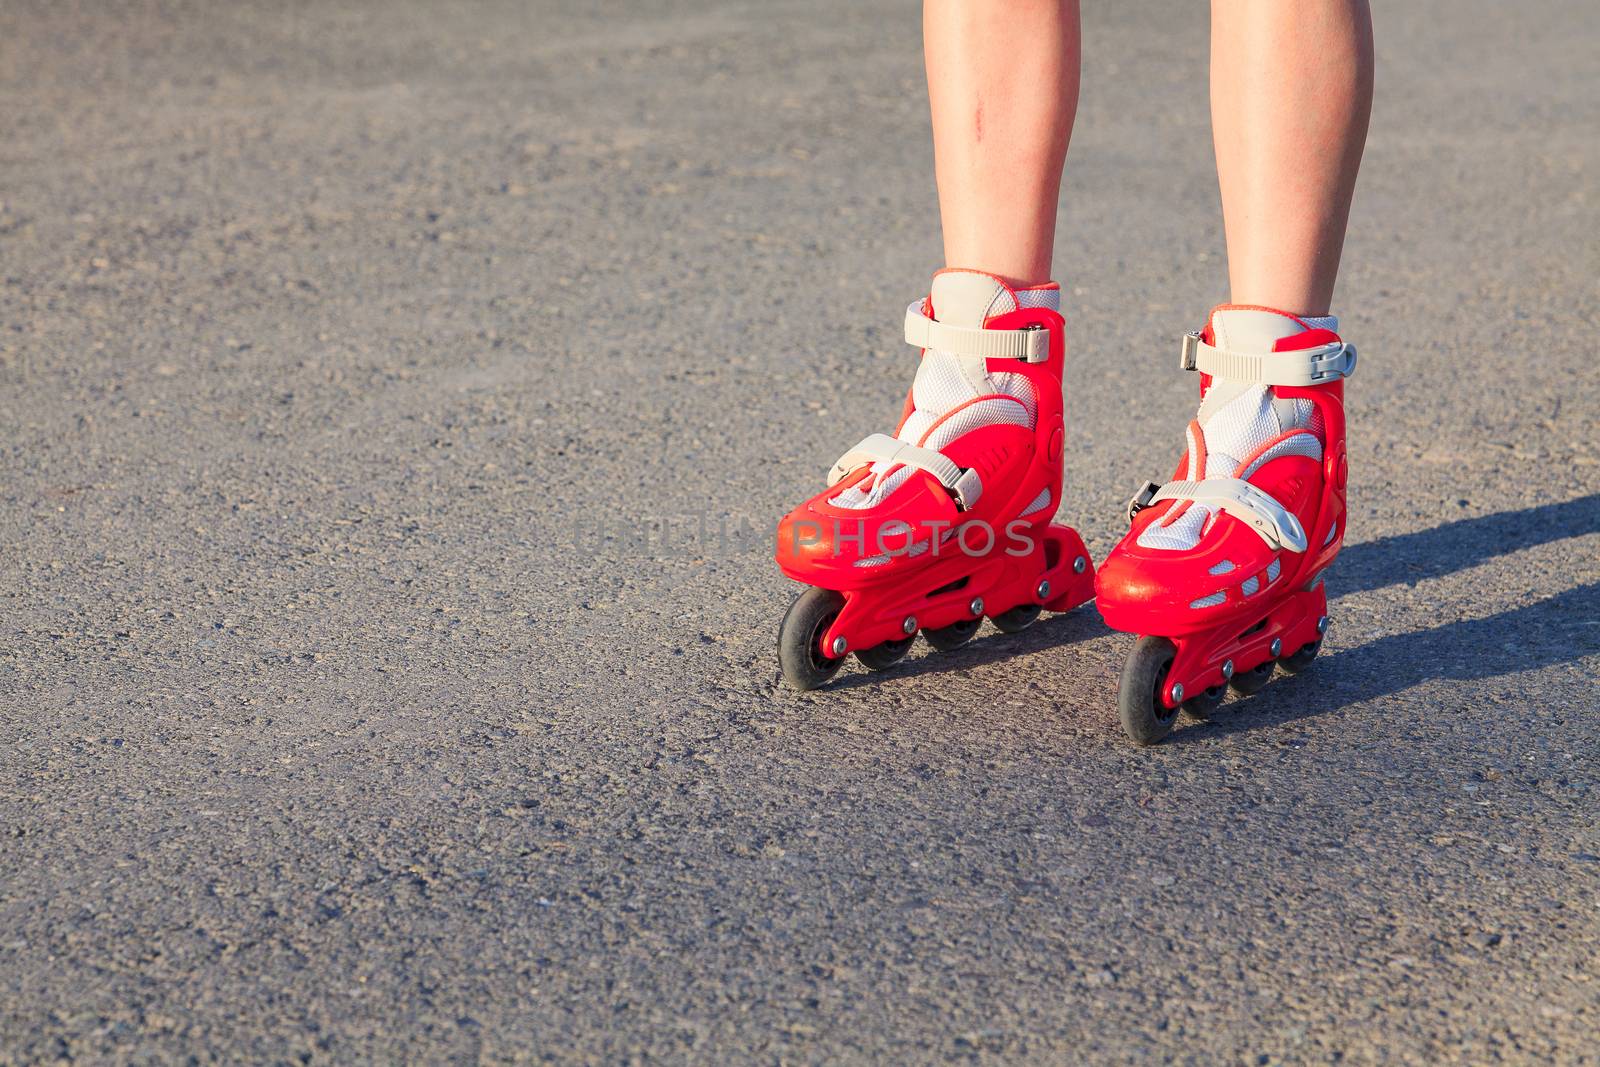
[[882, 657], [1202, 705], [1300, 660], [1252, 680], [800, 639], [1017, 619], [1144, 682], [946, 638]]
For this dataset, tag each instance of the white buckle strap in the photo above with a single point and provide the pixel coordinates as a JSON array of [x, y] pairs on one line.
[[1031, 343], [1275, 523], [1306, 366], [964, 484]]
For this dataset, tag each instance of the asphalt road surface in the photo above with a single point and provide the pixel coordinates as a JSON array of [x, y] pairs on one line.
[[370, 691]]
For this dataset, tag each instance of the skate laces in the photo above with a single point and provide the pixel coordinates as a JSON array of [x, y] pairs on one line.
[[946, 404]]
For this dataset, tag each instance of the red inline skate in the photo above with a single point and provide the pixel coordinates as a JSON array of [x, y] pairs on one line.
[[948, 520], [1222, 570]]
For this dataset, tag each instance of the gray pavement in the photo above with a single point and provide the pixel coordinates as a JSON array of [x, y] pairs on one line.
[[343, 345]]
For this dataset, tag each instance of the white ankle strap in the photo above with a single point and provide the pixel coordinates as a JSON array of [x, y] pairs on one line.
[[1303, 367], [964, 484], [1275, 523], [1032, 343]]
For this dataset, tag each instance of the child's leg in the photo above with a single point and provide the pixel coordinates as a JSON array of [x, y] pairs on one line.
[[1291, 89], [978, 447], [1222, 570], [1003, 84]]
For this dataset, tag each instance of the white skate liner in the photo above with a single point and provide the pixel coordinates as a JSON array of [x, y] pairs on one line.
[[941, 386], [1235, 429]]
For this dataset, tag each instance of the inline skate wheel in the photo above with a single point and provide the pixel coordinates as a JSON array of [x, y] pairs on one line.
[[1300, 660], [1145, 716], [1252, 680], [800, 638], [1017, 619], [946, 638], [882, 657], [1202, 705]]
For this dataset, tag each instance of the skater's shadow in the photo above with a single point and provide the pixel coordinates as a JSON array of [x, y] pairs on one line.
[[1560, 629], [989, 646], [1455, 546], [1568, 624]]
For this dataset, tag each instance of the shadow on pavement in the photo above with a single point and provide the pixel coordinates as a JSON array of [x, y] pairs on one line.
[[1455, 546], [1563, 628], [1469, 649], [1560, 629], [1051, 631]]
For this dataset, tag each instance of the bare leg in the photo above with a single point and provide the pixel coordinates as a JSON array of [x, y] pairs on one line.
[[1003, 84], [1291, 90]]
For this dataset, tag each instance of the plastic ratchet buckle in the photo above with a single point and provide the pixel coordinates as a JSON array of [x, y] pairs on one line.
[[1275, 524], [963, 484], [1031, 344], [1141, 500], [1299, 368]]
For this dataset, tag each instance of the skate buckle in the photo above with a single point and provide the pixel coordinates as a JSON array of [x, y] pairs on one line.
[[1188, 359], [1276, 524], [1297, 368], [1037, 353], [1338, 362], [963, 483], [1141, 499], [1030, 343]]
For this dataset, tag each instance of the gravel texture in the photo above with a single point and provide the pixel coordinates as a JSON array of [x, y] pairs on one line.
[[369, 691]]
